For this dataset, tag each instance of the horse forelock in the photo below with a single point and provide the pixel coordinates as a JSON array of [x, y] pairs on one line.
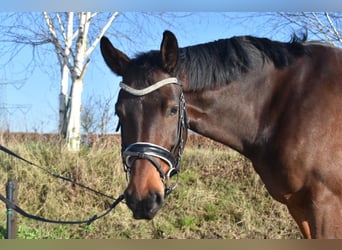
[[142, 68]]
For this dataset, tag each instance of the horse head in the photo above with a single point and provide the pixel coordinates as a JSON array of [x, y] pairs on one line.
[[152, 117]]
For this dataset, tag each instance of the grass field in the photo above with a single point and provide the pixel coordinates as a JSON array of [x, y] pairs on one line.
[[219, 196]]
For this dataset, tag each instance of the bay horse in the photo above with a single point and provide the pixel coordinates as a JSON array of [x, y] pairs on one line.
[[277, 103]]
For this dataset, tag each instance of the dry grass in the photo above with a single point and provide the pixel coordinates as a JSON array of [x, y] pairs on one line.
[[219, 196]]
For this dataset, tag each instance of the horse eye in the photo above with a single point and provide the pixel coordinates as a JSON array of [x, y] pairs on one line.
[[173, 110]]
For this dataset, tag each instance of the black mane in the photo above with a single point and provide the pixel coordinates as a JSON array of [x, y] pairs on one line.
[[217, 63]]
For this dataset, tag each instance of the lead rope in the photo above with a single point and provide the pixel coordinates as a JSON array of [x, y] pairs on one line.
[[22, 212], [19, 210]]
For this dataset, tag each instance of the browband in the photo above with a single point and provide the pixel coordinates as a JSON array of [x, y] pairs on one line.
[[149, 89]]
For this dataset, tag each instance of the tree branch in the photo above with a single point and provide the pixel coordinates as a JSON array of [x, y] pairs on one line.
[[84, 69], [61, 26], [102, 32], [59, 49], [335, 31]]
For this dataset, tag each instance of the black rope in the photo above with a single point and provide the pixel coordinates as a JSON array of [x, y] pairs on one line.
[[54, 174], [19, 210]]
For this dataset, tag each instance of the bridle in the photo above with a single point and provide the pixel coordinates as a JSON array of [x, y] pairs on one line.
[[150, 151]]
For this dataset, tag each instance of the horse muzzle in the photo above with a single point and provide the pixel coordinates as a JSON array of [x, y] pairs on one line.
[[147, 207]]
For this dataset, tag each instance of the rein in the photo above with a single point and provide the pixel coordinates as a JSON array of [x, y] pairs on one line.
[[149, 151], [19, 210]]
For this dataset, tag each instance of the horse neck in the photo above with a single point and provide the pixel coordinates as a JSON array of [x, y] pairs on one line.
[[233, 114]]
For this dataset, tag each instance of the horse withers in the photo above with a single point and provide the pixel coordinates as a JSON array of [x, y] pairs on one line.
[[278, 104]]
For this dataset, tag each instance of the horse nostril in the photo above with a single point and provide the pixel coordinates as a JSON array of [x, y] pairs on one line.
[[153, 203], [158, 199]]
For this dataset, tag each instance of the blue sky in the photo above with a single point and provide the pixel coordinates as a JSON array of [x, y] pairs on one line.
[[172, 5], [39, 93]]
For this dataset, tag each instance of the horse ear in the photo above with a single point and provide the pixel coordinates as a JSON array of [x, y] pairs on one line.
[[116, 60], [169, 51]]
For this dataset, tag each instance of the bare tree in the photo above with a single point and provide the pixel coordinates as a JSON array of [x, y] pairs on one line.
[[73, 37], [97, 115], [88, 117], [325, 26], [69, 33]]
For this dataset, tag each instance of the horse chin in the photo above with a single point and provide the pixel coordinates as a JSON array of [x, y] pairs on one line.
[[144, 216]]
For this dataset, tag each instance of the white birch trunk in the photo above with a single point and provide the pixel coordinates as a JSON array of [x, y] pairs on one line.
[[65, 73], [63, 98], [74, 124], [70, 105]]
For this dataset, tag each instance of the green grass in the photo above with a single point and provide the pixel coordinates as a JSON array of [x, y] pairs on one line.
[[219, 196]]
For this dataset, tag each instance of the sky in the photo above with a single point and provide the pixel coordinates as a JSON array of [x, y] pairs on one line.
[[172, 5], [36, 97]]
